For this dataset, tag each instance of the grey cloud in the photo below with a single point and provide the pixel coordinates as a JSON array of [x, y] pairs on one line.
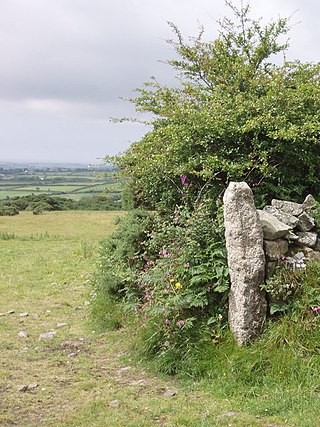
[[65, 63]]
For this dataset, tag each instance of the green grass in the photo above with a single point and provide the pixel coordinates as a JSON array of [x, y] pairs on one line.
[[46, 270], [68, 183]]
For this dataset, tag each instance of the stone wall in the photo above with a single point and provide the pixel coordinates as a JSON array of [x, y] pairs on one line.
[[290, 234], [257, 241]]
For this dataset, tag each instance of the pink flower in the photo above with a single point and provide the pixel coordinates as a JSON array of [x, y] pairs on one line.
[[184, 181], [181, 322], [315, 309]]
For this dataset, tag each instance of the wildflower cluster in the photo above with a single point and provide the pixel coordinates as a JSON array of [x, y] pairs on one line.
[[180, 281]]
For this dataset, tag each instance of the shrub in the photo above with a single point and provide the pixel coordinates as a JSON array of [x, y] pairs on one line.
[[171, 272], [8, 211]]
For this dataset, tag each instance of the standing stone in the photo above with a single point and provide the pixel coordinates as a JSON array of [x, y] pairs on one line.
[[246, 261]]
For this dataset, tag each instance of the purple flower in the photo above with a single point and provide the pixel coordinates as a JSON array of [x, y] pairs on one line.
[[184, 181], [315, 309]]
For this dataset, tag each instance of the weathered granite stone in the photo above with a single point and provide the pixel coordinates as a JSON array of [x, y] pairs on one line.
[[286, 218], [274, 249], [291, 208], [306, 222], [314, 256], [307, 238], [246, 260], [309, 203], [272, 228], [291, 237]]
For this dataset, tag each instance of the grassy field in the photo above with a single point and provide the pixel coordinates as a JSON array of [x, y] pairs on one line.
[[68, 183], [81, 377]]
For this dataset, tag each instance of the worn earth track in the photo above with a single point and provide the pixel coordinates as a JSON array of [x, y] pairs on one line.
[[55, 370]]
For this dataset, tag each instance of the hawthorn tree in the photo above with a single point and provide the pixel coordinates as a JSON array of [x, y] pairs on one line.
[[233, 115]]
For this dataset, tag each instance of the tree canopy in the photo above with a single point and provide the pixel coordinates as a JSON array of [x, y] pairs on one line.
[[233, 115]]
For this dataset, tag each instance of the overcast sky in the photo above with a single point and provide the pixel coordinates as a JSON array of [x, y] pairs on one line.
[[64, 64]]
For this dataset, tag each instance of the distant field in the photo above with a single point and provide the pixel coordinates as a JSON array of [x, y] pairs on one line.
[[70, 183]]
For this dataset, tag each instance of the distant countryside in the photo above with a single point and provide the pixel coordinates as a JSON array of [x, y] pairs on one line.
[[69, 181]]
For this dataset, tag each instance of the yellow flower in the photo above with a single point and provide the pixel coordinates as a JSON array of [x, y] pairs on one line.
[[178, 285], [171, 280]]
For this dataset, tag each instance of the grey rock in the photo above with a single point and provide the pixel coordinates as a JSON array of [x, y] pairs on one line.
[[309, 203], [47, 335], [291, 208], [246, 260], [299, 255], [24, 314], [228, 414], [306, 222], [291, 236], [307, 238], [274, 249], [272, 228], [22, 388], [74, 354], [169, 393], [114, 404], [138, 382], [61, 325], [313, 256], [23, 334], [33, 386], [7, 313], [284, 217]]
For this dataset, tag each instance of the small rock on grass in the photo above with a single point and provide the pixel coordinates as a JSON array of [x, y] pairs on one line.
[[47, 335], [114, 404], [228, 414], [169, 393], [33, 386], [139, 382], [7, 312], [23, 334], [61, 325], [74, 354], [23, 387], [25, 314]]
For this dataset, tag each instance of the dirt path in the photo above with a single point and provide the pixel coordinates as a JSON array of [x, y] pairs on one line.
[[54, 369]]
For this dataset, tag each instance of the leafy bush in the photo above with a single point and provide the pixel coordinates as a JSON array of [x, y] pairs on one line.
[[8, 211], [234, 117], [44, 202], [171, 271]]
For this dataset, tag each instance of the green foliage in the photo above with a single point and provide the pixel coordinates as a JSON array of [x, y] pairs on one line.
[[234, 116], [123, 251], [171, 271], [45, 203], [8, 210]]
